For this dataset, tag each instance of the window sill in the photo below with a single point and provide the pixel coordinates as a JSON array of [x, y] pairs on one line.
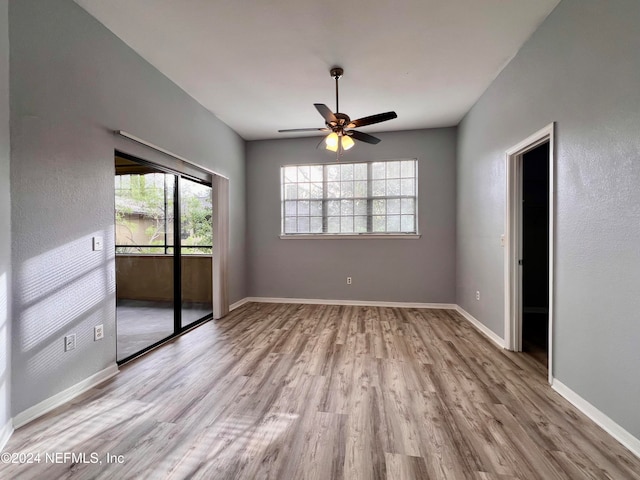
[[361, 236]]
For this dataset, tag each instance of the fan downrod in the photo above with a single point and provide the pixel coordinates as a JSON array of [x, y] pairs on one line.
[[336, 72]]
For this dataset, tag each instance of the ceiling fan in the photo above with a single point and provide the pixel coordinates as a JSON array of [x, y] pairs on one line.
[[340, 125]]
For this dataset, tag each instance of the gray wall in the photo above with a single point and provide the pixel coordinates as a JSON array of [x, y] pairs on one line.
[[5, 224], [382, 270], [581, 69], [72, 84]]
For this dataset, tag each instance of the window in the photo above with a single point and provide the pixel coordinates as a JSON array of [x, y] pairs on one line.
[[145, 214], [350, 198]]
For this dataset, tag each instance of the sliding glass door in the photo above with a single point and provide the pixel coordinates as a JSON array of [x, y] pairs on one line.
[[195, 250], [163, 254]]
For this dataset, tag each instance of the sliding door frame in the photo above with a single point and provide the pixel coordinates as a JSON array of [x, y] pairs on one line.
[[178, 329]]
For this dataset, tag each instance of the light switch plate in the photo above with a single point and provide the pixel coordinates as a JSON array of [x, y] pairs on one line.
[[97, 244], [70, 342]]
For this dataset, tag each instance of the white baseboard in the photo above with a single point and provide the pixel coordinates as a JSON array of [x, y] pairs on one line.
[[482, 328], [239, 303], [58, 399], [606, 423], [5, 434], [357, 303]]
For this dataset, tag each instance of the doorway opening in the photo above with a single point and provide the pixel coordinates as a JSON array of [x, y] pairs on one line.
[[164, 256], [534, 264], [529, 248]]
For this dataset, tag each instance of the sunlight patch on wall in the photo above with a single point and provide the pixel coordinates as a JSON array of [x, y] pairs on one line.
[[5, 411], [43, 275], [51, 357], [4, 302], [59, 287], [4, 341], [52, 316], [3, 323], [3, 351]]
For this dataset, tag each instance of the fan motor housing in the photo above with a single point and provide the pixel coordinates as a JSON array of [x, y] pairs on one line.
[[343, 119]]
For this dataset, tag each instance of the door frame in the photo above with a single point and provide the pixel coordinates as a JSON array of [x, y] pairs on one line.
[[219, 277], [513, 240]]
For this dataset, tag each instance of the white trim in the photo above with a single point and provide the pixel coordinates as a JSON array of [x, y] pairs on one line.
[[220, 250], [58, 399], [481, 327], [601, 419], [357, 303], [533, 140], [166, 152], [5, 434], [512, 283], [239, 303], [346, 236]]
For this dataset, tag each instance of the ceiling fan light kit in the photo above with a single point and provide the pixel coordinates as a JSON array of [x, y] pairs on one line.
[[347, 142], [341, 136], [332, 141]]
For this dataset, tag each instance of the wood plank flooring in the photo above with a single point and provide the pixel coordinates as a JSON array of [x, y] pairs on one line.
[[280, 391]]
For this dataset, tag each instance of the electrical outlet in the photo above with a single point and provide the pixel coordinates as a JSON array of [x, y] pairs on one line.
[[98, 333], [70, 342], [477, 294], [348, 280]]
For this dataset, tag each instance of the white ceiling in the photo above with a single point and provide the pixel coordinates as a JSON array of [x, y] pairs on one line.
[[260, 66]]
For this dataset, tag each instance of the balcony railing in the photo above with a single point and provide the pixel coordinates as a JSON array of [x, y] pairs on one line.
[[162, 249]]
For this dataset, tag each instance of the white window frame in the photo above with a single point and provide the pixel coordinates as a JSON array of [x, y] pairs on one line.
[[369, 198]]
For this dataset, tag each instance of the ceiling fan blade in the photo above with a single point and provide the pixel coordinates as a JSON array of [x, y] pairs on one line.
[[326, 113], [323, 129], [363, 137], [370, 120]]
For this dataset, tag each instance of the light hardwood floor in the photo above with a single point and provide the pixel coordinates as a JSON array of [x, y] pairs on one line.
[[317, 392]]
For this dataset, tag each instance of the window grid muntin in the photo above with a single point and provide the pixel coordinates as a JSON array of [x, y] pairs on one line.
[[402, 173]]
